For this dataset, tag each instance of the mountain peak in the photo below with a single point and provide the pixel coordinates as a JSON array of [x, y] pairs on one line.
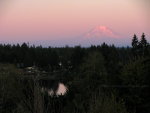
[[101, 32]]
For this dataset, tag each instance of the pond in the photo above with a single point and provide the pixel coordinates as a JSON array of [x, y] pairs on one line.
[[61, 90]]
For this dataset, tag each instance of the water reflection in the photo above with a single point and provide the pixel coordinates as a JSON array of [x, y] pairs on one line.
[[61, 90]]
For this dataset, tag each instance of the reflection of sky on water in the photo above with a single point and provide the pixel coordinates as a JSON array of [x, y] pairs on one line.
[[62, 89]]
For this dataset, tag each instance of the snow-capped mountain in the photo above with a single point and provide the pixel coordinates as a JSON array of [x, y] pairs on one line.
[[101, 32]]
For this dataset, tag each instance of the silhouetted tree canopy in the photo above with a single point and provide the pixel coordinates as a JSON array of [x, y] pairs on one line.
[[100, 79]]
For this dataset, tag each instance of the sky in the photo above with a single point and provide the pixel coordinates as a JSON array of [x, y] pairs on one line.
[[49, 20]]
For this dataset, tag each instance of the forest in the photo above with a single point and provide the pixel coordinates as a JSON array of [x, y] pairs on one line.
[[99, 79]]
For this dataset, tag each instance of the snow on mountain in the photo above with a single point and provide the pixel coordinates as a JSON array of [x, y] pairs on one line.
[[101, 32]]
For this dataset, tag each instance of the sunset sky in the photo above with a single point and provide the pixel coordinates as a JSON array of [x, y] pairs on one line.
[[33, 20]]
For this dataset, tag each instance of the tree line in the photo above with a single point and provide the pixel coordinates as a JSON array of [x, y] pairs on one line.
[[100, 79]]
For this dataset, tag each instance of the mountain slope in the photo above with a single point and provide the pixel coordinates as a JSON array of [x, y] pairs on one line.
[[101, 32]]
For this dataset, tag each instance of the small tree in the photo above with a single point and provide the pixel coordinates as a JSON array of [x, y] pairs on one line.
[[143, 44], [135, 43]]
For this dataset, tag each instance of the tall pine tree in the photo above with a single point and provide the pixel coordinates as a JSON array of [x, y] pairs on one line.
[[135, 44], [143, 44], [135, 41]]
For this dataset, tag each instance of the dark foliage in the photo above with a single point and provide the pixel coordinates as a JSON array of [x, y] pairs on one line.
[[99, 79]]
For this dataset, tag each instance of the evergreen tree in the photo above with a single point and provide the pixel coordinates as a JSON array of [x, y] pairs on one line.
[[134, 41], [135, 44], [143, 40], [143, 44]]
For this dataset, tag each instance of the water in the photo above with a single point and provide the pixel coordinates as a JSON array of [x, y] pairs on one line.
[[62, 90]]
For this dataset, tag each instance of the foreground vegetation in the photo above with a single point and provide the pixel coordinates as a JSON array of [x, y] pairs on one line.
[[100, 79]]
